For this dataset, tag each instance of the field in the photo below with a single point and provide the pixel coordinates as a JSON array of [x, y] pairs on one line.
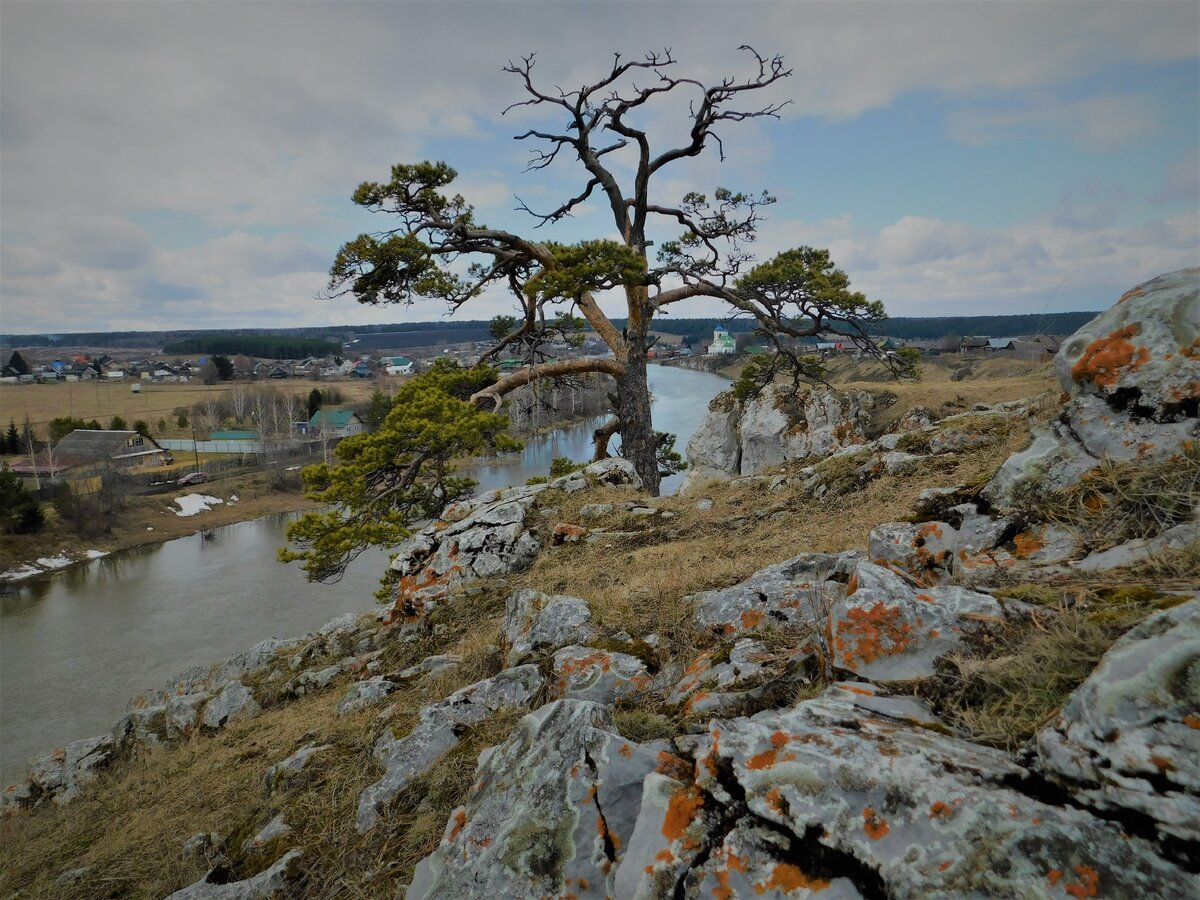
[[103, 400]]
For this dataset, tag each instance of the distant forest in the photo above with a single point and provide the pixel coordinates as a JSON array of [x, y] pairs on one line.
[[314, 341], [268, 346]]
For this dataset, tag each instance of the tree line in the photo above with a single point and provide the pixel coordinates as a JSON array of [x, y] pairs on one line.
[[268, 346]]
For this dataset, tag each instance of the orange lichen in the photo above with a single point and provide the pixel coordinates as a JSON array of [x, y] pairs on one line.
[[872, 633], [942, 867], [1027, 543], [626, 751], [460, 822], [774, 800], [786, 877], [1163, 763], [1131, 293], [852, 585], [1106, 358], [681, 812], [858, 690], [752, 618], [1054, 876], [925, 598], [1088, 884], [941, 810], [769, 757], [672, 766], [1191, 720], [874, 825]]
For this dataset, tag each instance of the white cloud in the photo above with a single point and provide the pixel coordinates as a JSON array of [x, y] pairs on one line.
[[1093, 122]]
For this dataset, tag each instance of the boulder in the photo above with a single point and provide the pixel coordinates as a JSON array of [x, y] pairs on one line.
[[848, 795], [274, 830], [313, 680], [537, 623], [430, 665], [369, 692], [59, 775], [1133, 378], [283, 775], [601, 676], [714, 451], [1129, 737], [437, 732], [234, 703], [272, 884], [551, 812]]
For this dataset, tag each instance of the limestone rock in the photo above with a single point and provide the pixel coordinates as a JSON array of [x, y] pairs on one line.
[[369, 692], [437, 732], [312, 681], [274, 830], [1129, 737], [714, 450], [602, 676], [60, 775], [234, 703], [541, 623], [283, 775], [551, 812], [430, 665], [274, 883]]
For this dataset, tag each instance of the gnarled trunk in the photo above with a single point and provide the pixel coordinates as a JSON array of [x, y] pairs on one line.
[[633, 409]]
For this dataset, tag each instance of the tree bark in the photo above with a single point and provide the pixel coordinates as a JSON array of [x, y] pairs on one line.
[[633, 396]]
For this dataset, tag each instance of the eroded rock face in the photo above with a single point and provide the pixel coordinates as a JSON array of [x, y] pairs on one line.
[[1133, 376], [234, 703], [864, 803], [714, 451], [541, 623], [601, 676], [438, 731], [275, 882], [1129, 737], [551, 813]]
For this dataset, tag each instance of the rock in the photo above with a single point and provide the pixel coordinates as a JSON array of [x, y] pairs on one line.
[[792, 591], [274, 830], [283, 775], [203, 845], [894, 810], [714, 450], [704, 505], [234, 703], [866, 696], [72, 877], [369, 692], [1129, 737], [897, 462], [270, 884], [1140, 549], [551, 813], [1133, 378], [595, 510], [60, 775], [312, 681], [749, 677], [183, 714], [430, 665], [437, 732], [536, 623], [602, 676], [955, 440], [925, 551], [886, 631], [613, 471], [493, 539], [210, 679], [566, 533]]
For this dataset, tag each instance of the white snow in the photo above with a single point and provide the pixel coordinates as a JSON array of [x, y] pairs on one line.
[[54, 562], [190, 504], [20, 573], [291, 468], [233, 498], [95, 554]]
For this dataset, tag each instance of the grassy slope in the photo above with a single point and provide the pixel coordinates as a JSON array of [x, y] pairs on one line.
[[129, 829]]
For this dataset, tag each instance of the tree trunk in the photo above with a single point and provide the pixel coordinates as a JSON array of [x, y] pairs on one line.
[[633, 409]]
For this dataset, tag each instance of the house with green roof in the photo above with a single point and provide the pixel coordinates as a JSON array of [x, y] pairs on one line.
[[336, 423]]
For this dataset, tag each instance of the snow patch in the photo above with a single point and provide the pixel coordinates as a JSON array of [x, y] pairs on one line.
[[54, 562], [95, 554], [190, 504], [20, 573], [233, 498]]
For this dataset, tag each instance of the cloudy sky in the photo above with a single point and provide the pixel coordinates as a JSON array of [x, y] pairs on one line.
[[169, 165]]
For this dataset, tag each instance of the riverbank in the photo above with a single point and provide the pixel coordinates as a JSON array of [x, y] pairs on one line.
[[146, 520]]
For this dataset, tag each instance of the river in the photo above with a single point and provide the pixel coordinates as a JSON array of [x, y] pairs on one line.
[[76, 645]]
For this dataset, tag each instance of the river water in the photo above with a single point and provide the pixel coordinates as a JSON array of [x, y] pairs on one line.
[[76, 645]]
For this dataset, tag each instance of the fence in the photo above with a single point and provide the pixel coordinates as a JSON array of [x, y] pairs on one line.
[[239, 447]]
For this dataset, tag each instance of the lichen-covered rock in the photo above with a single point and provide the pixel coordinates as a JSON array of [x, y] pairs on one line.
[[601, 676], [714, 451], [438, 731], [313, 680], [273, 831], [1133, 376], [551, 812], [274, 883], [283, 775], [210, 679], [59, 775], [885, 630], [537, 623], [234, 703], [926, 551], [430, 665], [1129, 737], [894, 810], [492, 540], [791, 591], [368, 692]]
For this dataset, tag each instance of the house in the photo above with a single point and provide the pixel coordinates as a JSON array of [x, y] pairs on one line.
[[399, 365], [996, 344], [124, 448], [722, 342], [977, 344], [336, 423], [362, 369]]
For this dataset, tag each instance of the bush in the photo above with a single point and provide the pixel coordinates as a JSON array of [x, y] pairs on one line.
[[563, 465], [117, 424]]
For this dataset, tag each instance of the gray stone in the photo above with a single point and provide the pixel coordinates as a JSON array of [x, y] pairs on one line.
[[202, 845], [210, 679], [72, 877], [551, 813], [602, 676], [437, 733], [234, 703], [183, 714], [283, 775], [430, 665], [368, 692], [537, 623], [1140, 549], [271, 884], [274, 830], [704, 505], [898, 463], [595, 510], [60, 774], [925, 551], [714, 451], [313, 680], [1129, 737], [613, 471]]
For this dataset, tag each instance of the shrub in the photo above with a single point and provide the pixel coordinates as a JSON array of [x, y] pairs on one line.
[[20, 512]]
